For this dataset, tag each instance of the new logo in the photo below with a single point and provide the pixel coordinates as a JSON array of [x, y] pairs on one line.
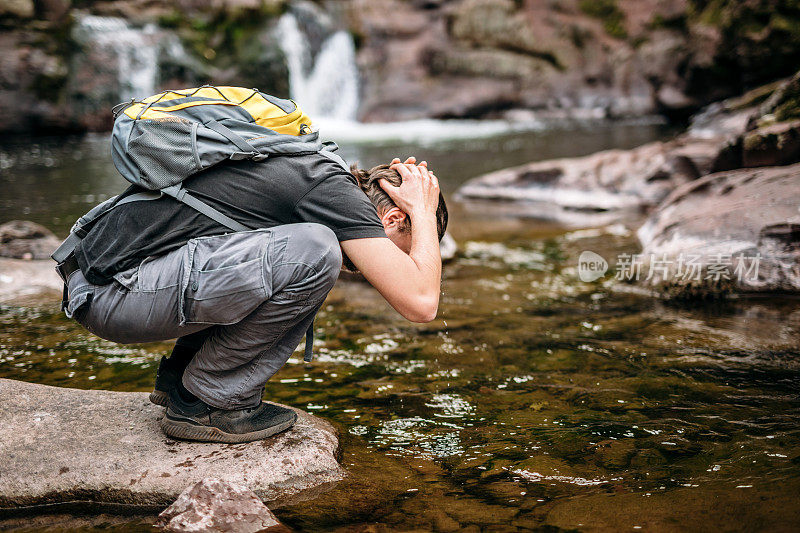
[[591, 266]]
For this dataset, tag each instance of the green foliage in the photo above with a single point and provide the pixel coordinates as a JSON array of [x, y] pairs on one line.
[[226, 31], [609, 13], [224, 37], [760, 42]]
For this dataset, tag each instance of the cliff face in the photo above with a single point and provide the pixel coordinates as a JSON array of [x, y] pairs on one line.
[[420, 58], [610, 57], [64, 64]]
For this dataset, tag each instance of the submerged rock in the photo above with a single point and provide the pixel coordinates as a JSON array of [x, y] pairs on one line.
[[23, 239], [448, 248], [61, 445], [730, 231], [213, 505]]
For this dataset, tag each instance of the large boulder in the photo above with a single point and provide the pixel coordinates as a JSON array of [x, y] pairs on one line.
[[23, 239], [476, 58], [731, 231], [61, 445]]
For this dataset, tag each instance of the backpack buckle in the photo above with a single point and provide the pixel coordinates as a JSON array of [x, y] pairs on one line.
[[254, 156]]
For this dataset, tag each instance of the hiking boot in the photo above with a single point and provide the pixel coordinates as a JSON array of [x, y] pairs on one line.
[[167, 377], [170, 371], [199, 421]]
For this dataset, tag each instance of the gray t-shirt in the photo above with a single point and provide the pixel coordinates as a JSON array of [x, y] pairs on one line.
[[280, 190]]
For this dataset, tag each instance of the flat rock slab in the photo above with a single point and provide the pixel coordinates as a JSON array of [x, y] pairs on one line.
[[62, 445]]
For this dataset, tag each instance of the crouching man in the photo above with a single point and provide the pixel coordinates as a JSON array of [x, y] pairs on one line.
[[239, 303]]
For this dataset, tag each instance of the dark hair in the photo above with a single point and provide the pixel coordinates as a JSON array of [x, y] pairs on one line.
[[369, 181]]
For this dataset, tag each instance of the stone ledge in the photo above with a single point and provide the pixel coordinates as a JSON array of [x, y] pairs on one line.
[[62, 445]]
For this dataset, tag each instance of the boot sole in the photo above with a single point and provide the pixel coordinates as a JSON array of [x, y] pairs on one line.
[[159, 397], [186, 430]]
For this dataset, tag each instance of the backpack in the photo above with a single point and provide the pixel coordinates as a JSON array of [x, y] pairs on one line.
[[160, 141]]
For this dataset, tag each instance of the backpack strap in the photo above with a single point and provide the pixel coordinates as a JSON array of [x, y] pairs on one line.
[[247, 149], [328, 147], [308, 353], [176, 191], [182, 195]]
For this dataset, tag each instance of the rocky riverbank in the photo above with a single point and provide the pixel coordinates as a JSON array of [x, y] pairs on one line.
[[724, 195], [66, 63]]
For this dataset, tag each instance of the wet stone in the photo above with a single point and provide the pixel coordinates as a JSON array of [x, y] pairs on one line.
[[62, 445], [213, 505]]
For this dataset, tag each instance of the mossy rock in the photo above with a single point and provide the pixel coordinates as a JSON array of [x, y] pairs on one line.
[[609, 13], [222, 38]]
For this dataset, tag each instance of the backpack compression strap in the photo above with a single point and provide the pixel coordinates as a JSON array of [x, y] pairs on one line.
[[328, 147], [183, 196]]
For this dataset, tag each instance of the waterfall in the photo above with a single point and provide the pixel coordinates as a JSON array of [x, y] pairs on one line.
[[135, 51], [325, 84], [323, 80]]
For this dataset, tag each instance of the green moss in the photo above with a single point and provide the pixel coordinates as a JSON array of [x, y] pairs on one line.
[[49, 87], [679, 22], [709, 12], [789, 106], [755, 96], [759, 142], [219, 38], [227, 31], [788, 110], [759, 42], [609, 13], [170, 20]]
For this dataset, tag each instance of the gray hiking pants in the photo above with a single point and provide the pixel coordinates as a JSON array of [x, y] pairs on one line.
[[243, 299]]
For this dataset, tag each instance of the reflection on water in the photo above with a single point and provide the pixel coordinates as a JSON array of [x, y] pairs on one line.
[[534, 400]]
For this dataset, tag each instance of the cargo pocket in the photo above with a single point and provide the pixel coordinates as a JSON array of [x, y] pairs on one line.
[[227, 277], [80, 296]]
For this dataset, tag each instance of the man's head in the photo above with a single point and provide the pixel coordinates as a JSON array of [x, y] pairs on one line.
[[396, 223]]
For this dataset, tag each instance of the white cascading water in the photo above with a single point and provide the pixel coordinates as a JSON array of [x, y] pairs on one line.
[[326, 86], [136, 51]]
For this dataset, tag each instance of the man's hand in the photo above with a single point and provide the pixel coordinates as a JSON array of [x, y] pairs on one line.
[[418, 194]]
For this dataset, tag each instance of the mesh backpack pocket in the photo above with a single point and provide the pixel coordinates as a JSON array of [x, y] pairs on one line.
[[165, 150]]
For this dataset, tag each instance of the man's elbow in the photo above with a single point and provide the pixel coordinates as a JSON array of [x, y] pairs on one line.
[[424, 310]]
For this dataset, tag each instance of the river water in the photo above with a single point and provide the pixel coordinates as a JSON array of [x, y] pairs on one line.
[[534, 401]]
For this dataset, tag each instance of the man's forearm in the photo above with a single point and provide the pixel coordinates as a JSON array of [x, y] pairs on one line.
[[426, 256]]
